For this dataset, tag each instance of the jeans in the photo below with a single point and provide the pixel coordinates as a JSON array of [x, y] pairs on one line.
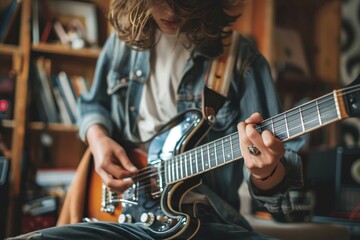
[[211, 227]]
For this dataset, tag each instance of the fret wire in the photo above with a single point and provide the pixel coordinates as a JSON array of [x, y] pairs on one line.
[[208, 152], [318, 112], [186, 170], [176, 169], [173, 171], [222, 145], [302, 120], [202, 157], [169, 170], [272, 126], [216, 159], [196, 162], [231, 148], [286, 125], [181, 167], [166, 172], [191, 161]]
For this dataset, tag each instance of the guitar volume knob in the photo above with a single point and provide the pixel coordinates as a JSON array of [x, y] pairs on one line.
[[147, 218], [125, 218]]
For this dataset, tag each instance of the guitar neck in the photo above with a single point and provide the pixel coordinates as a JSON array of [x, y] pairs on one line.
[[285, 126]]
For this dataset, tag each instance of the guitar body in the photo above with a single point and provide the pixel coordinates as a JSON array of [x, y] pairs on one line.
[[100, 200], [153, 201], [94, 200]]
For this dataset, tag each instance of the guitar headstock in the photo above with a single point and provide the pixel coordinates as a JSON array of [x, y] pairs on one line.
[[351, 96]]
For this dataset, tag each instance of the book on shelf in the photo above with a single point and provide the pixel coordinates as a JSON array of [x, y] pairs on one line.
[[35, 22], [61, 33], [47, 104], [64, 108], [66, 88], [7, 16], [80, 85], [43, 21], [65, 116], [55, 94]]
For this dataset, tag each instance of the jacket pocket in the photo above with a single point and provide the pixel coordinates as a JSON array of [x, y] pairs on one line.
[[117, 83]]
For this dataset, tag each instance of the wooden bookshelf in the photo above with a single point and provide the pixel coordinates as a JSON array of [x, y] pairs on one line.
[[20, 133], [54, 127], [60, 49]]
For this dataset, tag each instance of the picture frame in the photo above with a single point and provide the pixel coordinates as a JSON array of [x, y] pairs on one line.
[[66, 11]]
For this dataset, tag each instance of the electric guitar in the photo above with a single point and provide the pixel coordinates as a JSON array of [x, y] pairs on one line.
[[173, 166]]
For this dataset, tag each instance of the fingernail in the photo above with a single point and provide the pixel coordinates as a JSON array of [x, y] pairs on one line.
[[133, 169]]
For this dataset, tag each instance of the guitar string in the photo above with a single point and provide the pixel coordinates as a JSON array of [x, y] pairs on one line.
[[226, 152], [264, 126], [146, 177], [176, 159], [281, 127]]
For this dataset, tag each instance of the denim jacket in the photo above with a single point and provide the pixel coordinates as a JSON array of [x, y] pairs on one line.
[[115, 96]]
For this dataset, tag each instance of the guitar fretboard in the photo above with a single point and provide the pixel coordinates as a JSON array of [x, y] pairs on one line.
[[285, 126]]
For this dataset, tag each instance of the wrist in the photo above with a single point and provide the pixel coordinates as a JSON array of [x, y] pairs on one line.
[[261, 179], [270, 181], [95, 132]]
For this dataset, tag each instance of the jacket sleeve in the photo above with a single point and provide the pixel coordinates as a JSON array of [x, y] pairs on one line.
[[260, 95], [94, 107]]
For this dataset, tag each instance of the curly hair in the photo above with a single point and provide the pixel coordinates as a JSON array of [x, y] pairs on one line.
[[203, 21]]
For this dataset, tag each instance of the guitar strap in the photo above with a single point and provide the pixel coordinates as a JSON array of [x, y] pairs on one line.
[[218, 78], [217, 84]]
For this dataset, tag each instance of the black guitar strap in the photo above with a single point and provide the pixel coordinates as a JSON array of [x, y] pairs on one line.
[[218, 78]]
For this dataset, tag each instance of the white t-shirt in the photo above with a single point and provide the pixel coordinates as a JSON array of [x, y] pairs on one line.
[[158, 102]]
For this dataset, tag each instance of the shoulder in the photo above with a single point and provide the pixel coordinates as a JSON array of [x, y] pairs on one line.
[[117, 50], [247, 49], [249, 57], [113, 43]]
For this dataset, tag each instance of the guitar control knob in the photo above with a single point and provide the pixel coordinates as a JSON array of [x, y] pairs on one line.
[[125, 218], [147, 218]]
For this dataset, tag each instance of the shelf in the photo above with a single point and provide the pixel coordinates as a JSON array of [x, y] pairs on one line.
[[9, 49], [37, 126], [64, 50], [57, 127]]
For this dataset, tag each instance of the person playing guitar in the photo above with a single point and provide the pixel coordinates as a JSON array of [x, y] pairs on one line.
[[148, 92]]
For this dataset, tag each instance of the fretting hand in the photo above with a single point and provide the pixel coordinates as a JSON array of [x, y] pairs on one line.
[[262, 153]]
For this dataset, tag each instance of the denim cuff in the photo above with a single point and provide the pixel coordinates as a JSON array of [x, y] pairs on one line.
[[93, 118], [277, 199]]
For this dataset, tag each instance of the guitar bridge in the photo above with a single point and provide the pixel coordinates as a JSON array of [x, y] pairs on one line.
[[109, 200]]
